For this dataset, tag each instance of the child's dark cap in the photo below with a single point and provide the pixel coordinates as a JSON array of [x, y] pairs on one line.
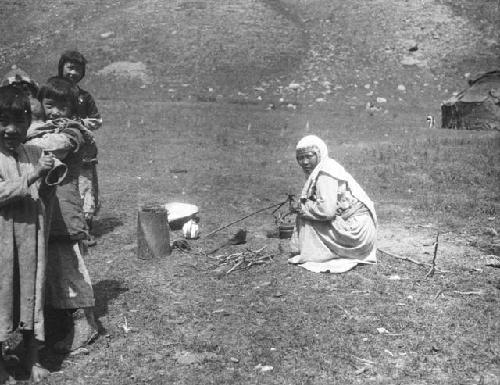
[[14, 100]]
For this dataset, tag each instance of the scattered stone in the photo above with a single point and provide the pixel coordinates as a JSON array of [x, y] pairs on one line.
[[107, 35], [411, 45], [189, 358], [371, 108], [413, 61], [295, 86], [127, 70], [264, 368]]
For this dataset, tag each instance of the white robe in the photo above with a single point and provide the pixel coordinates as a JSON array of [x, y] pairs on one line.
[[329, 235]]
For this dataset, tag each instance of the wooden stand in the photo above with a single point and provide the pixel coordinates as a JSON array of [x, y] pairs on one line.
[[153, 232]]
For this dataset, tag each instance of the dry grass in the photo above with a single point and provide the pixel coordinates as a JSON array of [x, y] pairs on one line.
[[312, 329]]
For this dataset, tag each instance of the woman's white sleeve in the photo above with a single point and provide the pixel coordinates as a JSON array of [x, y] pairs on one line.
[[324, 207]]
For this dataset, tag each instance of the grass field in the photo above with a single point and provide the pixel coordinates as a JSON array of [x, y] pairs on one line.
[[191, 323]]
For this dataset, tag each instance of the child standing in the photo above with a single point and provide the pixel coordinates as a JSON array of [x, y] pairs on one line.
[[72, 66], [21, 79], [68, 282], [23, 221]]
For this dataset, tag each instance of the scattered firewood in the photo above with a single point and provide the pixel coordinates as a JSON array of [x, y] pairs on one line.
[[410, 260], [430, 273], [478, 292], [242, 260]]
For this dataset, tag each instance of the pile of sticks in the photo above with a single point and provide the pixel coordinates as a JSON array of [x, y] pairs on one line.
[[242, 260]]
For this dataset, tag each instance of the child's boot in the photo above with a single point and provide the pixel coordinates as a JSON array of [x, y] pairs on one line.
[[83, 333]]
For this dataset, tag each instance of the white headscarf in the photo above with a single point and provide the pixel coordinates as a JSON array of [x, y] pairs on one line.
[[314, 144], [329, 166]]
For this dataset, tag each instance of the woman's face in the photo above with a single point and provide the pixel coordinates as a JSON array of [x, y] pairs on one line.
[[308, 160]]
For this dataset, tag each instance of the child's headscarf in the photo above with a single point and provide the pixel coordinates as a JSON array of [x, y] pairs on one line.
[[17, 76]]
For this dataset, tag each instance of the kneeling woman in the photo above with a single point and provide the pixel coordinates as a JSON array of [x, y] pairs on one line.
[[336, 225]]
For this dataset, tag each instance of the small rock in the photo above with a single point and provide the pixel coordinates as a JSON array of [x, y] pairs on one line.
[[412, 61], [320, 100], [107, 35], [381, 100], [411, 45], [234, 359], [264, 368], [401, 88], [367, 86]]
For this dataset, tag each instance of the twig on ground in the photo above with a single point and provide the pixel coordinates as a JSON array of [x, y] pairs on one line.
[[403, 258], [364, 360], [439, 293], [409, 260], [236, 266], [430, 273], [479, 292]]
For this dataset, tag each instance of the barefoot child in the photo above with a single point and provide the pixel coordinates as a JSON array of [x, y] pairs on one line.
[[23, 204], [68, 282], [72, 66]]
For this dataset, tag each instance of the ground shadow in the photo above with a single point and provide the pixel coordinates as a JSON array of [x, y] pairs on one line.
[[104, 225], [57, 324], [106, 291]]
